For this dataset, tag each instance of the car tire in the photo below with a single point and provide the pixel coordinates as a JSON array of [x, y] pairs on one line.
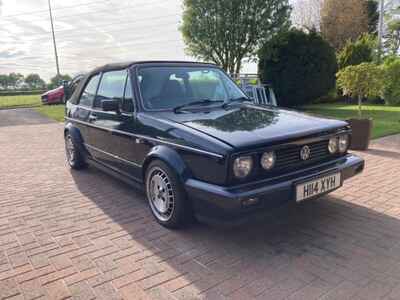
[[75, 158], [166, 196]]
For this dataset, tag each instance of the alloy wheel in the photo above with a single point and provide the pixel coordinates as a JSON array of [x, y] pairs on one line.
[[160, 194], [70, 149]]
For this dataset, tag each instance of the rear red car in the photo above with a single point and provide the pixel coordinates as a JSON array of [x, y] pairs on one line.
[[62, 93], [54, 96]]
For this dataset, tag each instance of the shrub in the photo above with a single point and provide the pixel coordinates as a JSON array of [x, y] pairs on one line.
[[301, 67], [358, 52], [363, 80], [391, 92]]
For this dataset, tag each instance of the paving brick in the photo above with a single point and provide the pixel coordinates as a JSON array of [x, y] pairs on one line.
[[58, 275], [83, 235], [81, 291], [81, 276], [39, 260], [346, 291], [134, 291], [8, 288], [83, 262], [57, 290], [107, 292], [32, 289], [61, 262], [18, 260]]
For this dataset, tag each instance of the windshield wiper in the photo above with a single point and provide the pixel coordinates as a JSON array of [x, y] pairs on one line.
[[231, 101], [198, 102]]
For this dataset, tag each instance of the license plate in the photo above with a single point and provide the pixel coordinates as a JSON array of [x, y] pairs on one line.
[[318, 186]]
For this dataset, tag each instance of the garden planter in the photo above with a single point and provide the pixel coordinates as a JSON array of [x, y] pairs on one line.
[[361, 133]]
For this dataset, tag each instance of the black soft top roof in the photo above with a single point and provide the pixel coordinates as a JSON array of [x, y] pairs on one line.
[[124, 65]]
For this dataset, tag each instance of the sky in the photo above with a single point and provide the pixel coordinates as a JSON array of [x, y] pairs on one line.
[[89, 33]]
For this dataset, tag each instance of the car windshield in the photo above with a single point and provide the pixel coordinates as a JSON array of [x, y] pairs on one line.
[[164, 88]]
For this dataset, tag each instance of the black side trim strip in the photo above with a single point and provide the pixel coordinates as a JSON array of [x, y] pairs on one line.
[[114, 156], [142, 137]]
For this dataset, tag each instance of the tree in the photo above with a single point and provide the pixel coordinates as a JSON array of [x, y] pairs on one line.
[[4, 82], [14, 80], [307, 14], [301, 67], [392, 43], [56, 81], [363, 80], [355, 53], [343, 20], [373, 16], [227, 31], [34, 81]]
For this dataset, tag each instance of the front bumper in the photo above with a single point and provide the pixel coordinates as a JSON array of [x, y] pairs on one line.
[[217, 204]]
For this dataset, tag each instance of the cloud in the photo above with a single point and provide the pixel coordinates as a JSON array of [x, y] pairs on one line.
[[88, 33]]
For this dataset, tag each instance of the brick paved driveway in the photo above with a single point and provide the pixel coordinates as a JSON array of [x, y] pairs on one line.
[[84, 235]]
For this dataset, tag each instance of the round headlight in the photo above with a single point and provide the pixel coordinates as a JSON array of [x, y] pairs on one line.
[[333, 145], [343, 143], [242, 166], [268, 160]]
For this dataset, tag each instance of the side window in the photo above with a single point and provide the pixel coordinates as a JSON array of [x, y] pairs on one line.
[[112, 86], [127, 104], [89, 92]]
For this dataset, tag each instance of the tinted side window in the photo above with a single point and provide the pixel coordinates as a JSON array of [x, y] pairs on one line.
[[111, 87], [127, 104], [89, 93]]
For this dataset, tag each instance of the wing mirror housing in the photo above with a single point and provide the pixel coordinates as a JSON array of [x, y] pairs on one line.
[[110, 105]]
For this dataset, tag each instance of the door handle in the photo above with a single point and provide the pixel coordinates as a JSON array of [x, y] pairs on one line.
[[92, 118]]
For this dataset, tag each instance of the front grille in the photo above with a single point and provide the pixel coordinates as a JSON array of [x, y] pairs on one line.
[[289, 158]]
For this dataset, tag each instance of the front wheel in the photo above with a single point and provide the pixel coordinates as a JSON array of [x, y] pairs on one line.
[[74, 156], [166, 196]]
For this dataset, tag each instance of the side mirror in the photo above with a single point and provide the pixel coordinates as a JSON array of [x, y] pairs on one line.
[[110, 105]]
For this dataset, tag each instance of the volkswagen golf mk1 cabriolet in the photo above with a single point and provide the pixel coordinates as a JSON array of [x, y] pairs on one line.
[[189, 135]]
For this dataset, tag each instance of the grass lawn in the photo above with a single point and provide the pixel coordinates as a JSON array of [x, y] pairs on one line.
[[386, 118], [55, 112], [20, 101]]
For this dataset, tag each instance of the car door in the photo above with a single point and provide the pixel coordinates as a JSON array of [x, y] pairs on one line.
[[104, 143], [84, 107], [130, 162]]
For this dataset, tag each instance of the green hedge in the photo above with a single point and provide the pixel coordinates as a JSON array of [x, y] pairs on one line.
[[21, 93], [391, 92], [301, 67]]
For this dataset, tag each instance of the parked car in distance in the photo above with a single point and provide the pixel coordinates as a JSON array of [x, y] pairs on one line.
[[61, 93], [190, 137], [55, 96]]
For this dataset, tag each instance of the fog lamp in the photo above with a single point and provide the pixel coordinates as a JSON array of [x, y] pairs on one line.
[[333, 145], [242, 166], [343, 143], [268, 160]]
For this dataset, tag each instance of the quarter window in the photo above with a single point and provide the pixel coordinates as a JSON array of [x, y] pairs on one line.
[[111, 87], [89, 93]]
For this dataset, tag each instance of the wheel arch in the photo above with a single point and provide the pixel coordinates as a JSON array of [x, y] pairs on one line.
[[170, 157], [76, 136]]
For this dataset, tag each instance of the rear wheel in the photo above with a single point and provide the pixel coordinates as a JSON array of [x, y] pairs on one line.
[[74, 156], [166, 196]]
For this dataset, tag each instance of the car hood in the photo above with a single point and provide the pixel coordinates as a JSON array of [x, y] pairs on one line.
[[248, 125]]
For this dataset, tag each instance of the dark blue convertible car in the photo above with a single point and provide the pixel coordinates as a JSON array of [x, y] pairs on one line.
[[197, 144]]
